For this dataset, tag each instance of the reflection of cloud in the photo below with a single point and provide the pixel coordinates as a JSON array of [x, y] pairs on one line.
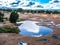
[[27, 25]]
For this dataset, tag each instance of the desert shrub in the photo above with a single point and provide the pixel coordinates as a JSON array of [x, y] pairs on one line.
[[13, 17], [41, 11], [55, 12], [8, 30], [1, 17], [20, 10], [48, 11]]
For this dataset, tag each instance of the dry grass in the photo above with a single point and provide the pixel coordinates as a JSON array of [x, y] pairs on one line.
[[13, 39]]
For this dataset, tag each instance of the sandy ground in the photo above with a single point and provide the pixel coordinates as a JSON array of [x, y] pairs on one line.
[[13, 39]]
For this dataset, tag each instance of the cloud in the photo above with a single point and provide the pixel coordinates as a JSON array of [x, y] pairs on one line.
[[23, 4]]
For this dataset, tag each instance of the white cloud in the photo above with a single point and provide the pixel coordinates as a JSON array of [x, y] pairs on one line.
[[23, 4]]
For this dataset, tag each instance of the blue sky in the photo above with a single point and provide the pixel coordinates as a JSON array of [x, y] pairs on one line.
[[42, 1], [23, 4]]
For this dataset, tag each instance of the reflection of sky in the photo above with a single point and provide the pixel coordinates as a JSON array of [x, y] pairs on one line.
[[43, 31], [43, 4], [30, 28]]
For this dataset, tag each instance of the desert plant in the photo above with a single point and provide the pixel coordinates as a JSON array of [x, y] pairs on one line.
[[41, 11], [13, 17], [55, 12], [20, 10], [1, 17], [8, 30], [48, 11]]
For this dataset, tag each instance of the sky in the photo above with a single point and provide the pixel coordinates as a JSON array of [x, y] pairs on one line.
[[44, 4]]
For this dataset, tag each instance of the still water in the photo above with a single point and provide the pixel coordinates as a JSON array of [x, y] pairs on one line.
[[42, 31]]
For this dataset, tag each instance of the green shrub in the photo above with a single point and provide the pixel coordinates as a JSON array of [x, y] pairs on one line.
[[1, 17], [42, 11], [20, 10], [8, 30], [13, 17], [55, 12], [48, 11]]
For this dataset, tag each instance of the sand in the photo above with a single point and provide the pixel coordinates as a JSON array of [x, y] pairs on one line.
[[13, 39]]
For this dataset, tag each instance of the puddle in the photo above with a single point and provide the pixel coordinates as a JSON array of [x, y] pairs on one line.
[[55, 37], [42, 31], [43, 40], [31, 29], [22, 43]]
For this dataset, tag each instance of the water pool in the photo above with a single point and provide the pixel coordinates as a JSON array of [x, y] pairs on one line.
[[42, 31]]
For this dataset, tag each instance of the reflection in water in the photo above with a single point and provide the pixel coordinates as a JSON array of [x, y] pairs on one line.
[[55, 37], [43, 40], [30, 28], [42, 31]]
